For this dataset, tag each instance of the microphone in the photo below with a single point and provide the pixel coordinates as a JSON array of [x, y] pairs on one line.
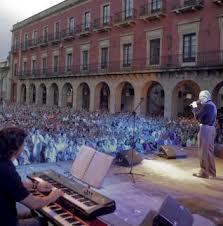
[[195, 103]]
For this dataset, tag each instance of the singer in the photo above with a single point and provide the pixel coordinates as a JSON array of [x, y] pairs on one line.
[[206, 112]]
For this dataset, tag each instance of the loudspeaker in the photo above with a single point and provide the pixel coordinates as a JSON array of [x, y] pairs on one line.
[[124, 158], [218, 150], [148, 220], [172, 152], [171, 213]]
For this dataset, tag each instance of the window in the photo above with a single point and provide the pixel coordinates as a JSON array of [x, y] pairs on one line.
[[128, 8], [33, 66], [26, 41], [189, 47], [25, 69], [57, 30], [104, 58], [154, 51], [44, 65], [85, 60], [71, 25], [55, 63], [127, 55], [155, 6], [45, 34], [34, 37], [15, 69], [16, 43], [69, 61], [87, 19], [106, 14]]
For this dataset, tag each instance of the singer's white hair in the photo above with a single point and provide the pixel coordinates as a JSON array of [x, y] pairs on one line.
[[205, 94]]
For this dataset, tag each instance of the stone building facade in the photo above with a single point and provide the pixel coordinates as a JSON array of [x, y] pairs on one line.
[[4, 79], [108, 54]]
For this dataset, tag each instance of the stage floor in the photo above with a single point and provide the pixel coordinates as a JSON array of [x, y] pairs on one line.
[[162, 177]]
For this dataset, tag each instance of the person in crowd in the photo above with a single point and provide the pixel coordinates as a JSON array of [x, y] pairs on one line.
[[12, 188], [49, 135]]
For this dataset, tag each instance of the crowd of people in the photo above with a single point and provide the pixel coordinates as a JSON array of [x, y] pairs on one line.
[[56, 134]]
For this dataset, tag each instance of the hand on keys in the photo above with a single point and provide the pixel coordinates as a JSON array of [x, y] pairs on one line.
[[55, 194]]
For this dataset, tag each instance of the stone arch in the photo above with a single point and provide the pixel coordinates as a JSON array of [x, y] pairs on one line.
[[154, 99], [217, 95], [83, 97], [124, 97], [32, 94], [23, 92], [102, 96], [42, 94], [183, 94], [67, 95], [54, 94]]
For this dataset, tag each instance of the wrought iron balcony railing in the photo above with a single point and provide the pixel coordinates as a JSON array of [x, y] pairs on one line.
[[68, 34], [33, 43], [204, 60], [153, 10], [125, 17], [55, 37], [102, 24], [15, 48], [43, 41], [84, 29], [25, 46], [187, 5]]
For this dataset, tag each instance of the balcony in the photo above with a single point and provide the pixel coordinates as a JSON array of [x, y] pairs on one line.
[[33, 44], [102, 24], [187, 6], [125, 18], [68, 34], [153, 11], [43, 41], [202, 61], [84, 30], [218, 2], [55, 38], [15, 49], [24, 46]]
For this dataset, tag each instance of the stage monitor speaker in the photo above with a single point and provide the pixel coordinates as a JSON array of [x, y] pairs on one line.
[[172, 152], [218, 150], [171, 213], [125, 158]]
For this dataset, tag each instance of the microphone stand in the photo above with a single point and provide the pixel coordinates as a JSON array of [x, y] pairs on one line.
[[133, 143]]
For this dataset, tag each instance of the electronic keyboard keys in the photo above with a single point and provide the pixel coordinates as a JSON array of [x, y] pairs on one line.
[[77, 199], [62, 216]]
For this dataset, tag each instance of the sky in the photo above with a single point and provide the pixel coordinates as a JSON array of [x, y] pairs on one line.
[[13, 11]]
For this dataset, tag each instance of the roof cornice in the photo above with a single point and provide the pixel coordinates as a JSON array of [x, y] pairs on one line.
[[45, 13]]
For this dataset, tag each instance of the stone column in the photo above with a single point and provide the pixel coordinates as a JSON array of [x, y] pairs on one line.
[[168, 108], [137, 99], [92, 97], [60, 98], [74, 97], [112, 102], [49, 97], [18, 93]]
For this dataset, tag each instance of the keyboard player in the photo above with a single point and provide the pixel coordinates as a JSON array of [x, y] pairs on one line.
[[12, 189]]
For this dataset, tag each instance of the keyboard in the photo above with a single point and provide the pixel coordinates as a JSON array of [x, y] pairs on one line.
[[78, 199]]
